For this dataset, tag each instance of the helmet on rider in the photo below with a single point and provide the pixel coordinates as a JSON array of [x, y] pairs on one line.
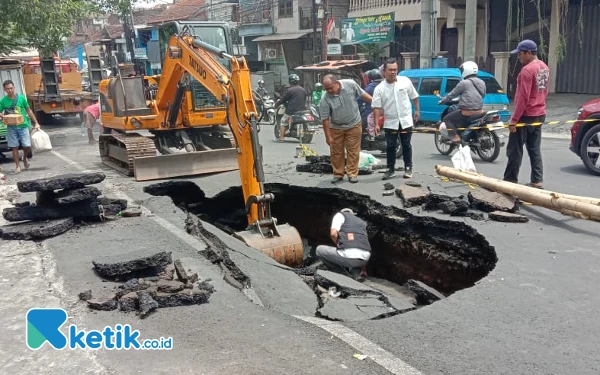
[[374, 75], [468, 68], [261, 83], [318, 86], [293, 79]]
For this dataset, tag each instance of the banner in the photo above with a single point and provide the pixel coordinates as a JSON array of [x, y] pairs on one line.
[[370, 29]]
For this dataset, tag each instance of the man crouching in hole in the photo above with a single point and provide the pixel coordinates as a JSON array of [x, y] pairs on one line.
[[352, 250]]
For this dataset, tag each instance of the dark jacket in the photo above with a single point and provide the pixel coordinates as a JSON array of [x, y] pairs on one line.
[[365, 107], [294, 100], [353, 233]]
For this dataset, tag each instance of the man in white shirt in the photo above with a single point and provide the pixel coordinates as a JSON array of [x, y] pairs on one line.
[[352, 249], [392, 98]]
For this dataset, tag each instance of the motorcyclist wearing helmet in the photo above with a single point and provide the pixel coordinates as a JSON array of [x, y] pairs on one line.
[[261, 89], [374, 77], [318, 93], [294, 100], [471, 91]]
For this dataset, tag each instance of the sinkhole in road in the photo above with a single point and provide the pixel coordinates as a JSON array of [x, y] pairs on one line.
[[444, 254]]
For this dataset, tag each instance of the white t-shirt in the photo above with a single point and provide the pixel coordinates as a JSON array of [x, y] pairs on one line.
[[395, 101], [336, 224]]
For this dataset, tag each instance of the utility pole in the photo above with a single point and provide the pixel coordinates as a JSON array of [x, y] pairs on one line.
[[324, 32], [314, 24], [470, 30], [426, 52]]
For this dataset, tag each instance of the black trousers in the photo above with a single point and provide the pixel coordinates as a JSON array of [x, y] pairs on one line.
[[531, 137], [391, 139], [455, 120]]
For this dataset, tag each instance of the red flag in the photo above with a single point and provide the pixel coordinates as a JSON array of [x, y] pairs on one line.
[[331, 28]]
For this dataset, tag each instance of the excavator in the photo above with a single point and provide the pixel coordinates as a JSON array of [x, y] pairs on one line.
[[187, 125], [188, 55]]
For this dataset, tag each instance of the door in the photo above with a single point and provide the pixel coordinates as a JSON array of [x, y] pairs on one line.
[[428, 100]]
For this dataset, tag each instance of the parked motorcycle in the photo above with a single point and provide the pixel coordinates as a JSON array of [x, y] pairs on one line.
[[379, 144], [302, 126], [483, 141]]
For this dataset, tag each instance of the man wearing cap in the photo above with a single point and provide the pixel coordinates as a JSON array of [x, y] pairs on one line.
[[352, 250], [529, 107]]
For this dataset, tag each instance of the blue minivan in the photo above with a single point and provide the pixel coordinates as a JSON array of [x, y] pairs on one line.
[[429, 82]]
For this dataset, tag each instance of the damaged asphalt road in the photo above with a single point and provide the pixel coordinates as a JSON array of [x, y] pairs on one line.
[[535, 312]]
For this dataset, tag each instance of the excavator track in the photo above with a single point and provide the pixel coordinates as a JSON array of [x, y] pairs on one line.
[[119, 150]]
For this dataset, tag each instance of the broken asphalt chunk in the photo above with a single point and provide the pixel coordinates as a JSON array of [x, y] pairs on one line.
[[146, 302], [185, 297], [131, 263], [169, 286], [489, 201], [507, 217], [36, 230], [181, 274], [65, 181], [107, 303], [76, 195], [129, 302], [412, 196], [84, 296], [35, 213]]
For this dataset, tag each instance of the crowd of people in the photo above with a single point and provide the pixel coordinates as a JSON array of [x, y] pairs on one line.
[[396, 100]]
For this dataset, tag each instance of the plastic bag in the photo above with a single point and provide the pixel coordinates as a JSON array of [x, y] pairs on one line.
[[462, 159], [367, 160], [40, 141]]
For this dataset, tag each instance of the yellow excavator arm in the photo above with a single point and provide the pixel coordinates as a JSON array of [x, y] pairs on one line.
[[187, 54]]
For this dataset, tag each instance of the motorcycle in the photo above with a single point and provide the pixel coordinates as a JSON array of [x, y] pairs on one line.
[[301, 127], [483, 140], [265, 107]]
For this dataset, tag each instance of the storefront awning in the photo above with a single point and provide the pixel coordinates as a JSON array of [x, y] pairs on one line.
[[276, 37]]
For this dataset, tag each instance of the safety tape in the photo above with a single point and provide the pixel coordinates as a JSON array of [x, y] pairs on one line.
[[306, 151], [427, 130]]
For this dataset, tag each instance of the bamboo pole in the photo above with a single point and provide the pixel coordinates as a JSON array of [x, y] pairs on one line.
[[538, 197]]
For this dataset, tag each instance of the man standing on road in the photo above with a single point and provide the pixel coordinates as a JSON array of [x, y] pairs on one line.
[[352, 250], [530, 107], [342, 125], [392, 98], [91, 114], [14, 103]]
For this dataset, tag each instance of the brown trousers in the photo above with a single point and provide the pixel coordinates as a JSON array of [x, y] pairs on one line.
[[345, 150]]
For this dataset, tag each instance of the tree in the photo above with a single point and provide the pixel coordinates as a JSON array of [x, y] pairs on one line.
[[40, 24]]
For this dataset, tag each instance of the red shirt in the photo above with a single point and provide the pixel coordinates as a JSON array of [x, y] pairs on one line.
[[532, 90], [94, 109]]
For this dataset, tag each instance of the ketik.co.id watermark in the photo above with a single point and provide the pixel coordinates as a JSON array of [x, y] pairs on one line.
[[44, 325]]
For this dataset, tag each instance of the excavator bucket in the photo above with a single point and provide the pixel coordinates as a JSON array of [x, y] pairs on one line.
[[185, 164], [286, 248]]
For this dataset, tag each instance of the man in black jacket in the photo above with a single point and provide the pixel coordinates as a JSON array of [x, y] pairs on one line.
[[294, 100], [352, 249]]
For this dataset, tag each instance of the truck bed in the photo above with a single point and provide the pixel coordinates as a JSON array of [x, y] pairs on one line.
[[64, 94]]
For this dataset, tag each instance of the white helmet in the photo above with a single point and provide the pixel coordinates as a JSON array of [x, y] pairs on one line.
[[468, 68]]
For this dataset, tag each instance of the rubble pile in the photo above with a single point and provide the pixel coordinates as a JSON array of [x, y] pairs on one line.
[[322, 165], [500, 207], [61, 202], [152, 281]]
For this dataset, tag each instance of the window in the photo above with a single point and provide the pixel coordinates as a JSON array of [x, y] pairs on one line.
[[491, 85], [451, 84], [285, 8], [415, 82], [429, 86]]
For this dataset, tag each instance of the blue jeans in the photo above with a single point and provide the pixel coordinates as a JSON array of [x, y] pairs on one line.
[[16, 136]]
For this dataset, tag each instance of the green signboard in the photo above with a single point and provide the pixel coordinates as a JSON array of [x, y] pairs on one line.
[[370, 29]]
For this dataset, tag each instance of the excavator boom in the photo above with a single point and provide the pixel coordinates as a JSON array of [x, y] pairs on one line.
[[189, 55]]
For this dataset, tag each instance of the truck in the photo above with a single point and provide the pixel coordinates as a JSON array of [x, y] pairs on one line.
[[54, 87]]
